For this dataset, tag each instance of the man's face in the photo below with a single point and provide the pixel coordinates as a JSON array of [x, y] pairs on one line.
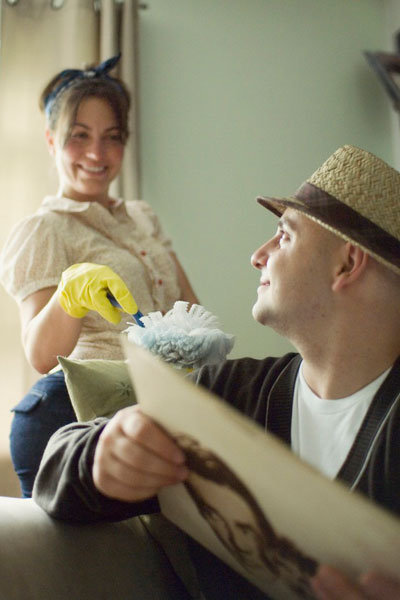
[[297, 267]]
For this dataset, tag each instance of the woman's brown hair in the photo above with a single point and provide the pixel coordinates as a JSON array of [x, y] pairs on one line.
[[65, 105]]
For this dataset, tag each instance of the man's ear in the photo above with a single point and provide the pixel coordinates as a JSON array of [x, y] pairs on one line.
[[351, 265], [50, 141]]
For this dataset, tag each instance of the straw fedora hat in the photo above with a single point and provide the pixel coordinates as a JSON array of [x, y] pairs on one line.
[[355, 195]]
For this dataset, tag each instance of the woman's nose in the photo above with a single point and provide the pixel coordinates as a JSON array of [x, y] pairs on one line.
[[94, 149]]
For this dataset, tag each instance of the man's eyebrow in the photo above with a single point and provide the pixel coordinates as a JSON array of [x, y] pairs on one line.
[[287, 222]]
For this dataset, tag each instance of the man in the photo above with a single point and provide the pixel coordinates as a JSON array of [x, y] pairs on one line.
[[330, 282]]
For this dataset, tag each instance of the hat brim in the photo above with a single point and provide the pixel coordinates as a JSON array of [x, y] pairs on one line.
[[278, 205], [384, 253]]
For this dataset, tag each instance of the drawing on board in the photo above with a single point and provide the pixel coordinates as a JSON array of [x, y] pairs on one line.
[[238, 521]]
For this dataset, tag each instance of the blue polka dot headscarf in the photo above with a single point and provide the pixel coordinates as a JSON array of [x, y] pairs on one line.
[[71, 76]]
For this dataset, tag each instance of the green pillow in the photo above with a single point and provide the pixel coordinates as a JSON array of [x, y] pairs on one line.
[[97, 387]]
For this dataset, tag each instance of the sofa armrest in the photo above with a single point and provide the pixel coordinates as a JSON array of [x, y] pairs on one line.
[[44, 559]]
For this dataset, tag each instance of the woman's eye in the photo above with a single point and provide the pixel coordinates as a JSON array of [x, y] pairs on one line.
[[80, 135], [115, 137], [210, 513]]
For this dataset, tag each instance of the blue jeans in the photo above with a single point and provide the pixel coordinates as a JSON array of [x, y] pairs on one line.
[[44, 409]]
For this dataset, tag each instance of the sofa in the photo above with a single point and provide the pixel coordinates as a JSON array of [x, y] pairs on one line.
[[45, 559]]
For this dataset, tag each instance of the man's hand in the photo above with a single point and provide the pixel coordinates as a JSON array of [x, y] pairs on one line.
[[135, 458], [331, 584]]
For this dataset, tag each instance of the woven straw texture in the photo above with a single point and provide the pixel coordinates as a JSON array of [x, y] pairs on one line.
[[365, 183], [355, 195]]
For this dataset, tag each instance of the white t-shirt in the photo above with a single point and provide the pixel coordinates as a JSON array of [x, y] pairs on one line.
[[323, 430]]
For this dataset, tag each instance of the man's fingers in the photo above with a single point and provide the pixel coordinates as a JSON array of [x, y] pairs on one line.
[[143, 463], [330, 584], [148, 435], [119, 490], [134, 458], [380, 586], [118, 480]]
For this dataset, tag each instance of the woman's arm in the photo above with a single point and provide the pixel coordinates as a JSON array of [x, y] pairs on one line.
[[52, 317], [47, 330], [187, 291]]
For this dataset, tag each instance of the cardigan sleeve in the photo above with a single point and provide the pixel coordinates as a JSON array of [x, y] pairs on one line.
[[64, 487]]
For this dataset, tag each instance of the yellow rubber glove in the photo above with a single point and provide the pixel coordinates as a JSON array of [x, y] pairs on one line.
[[84, 287]]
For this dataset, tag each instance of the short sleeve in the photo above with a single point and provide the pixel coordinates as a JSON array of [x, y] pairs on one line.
[[33, 256], [145, 216]]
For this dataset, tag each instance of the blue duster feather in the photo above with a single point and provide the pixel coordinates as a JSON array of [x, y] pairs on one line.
[[186, 338]]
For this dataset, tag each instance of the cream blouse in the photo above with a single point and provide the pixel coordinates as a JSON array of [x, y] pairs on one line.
[[127, 237]]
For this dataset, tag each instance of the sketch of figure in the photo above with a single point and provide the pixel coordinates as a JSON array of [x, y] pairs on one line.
[[239, 522]]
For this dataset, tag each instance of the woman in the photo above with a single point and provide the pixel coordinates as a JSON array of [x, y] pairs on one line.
[[59, 263]]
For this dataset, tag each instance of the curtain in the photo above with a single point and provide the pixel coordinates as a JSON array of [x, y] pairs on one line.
[[36, 42], [119, 33]]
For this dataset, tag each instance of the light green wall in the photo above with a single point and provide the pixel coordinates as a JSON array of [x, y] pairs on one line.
[[248, 97]]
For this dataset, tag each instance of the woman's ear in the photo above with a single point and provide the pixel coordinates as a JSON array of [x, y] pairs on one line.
[[351, 265], [50, 141]]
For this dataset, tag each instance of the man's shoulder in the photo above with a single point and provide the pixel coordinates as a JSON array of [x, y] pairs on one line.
[[246, 383], [242, 374], [260, 364]]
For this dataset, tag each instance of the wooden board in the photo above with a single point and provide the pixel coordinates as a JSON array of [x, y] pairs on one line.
[[255, 504]]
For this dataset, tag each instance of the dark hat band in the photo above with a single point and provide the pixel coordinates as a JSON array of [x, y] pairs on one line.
[[344, 220]]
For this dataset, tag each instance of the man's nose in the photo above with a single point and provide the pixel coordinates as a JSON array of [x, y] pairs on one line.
[[260, 257]]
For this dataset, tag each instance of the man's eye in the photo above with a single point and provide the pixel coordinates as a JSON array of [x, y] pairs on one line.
[[282, 237]]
